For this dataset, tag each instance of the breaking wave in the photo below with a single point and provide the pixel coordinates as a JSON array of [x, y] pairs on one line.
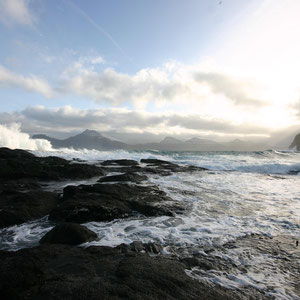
[[12, 137]]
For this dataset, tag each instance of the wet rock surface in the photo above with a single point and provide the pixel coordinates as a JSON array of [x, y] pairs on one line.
[[69, 234], [120, 162], [19, 164], [147, 166], [68, 272], [59, 270], [24, 178], [19, 207], [281, 251], [128, 177], [166, 168], [242, 262], [105, 202]]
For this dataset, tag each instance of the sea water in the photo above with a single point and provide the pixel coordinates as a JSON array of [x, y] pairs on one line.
[[241, 193]]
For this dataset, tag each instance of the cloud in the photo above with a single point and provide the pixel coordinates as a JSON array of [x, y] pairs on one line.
[[84, 65], [172, 84], [12, 137], [16, 12], [169, 84], [31, 83], [296, 107], [147, 85], [233, 89], [127, 124]]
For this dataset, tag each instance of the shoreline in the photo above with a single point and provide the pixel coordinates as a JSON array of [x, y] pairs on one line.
[[121, 186]]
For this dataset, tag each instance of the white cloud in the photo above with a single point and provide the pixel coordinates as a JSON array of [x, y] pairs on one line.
[[16, 12], [206, 89], [97, 60], [84, 65], [173, 83], [12, 137], [233, 89], [31, 83], [39, 119]]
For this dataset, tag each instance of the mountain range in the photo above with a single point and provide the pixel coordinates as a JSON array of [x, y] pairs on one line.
[[88, 139], [91, 139]]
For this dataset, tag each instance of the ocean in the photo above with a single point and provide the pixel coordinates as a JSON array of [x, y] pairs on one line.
[[242, 194]]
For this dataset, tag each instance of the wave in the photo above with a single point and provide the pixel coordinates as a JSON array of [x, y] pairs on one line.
[[266, 162], [12, 137]]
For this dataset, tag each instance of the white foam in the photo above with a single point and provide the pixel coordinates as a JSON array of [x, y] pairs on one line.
[[24, 235], [12, 137], [267, 162], [221, 206]]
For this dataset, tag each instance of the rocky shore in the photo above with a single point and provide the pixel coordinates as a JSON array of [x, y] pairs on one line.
[[59, 269]]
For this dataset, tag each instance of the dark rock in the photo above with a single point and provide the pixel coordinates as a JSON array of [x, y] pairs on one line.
[[105, 202], [296, 142], [66, 272], [122, 169], [19, 207], [120, 162], [137, 246], [68, 233], [131, 177], [153, 248], [153, 166], [166, 168], [157, 162], [157, 171], [6, 153], [205, 263], [8, 218], [19, 164], [21, 185]]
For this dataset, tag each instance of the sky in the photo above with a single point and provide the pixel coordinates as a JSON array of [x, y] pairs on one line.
[[140, 70]]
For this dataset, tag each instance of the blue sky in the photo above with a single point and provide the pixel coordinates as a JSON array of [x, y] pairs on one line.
[[229, 64]]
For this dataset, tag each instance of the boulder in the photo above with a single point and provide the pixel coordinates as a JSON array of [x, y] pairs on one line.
[[166, 168], [106, 202], [68, 272], [68, 233], [131, 177], [20, 164], [9, 218], [19, 207], [120, 162], [137, 246], [153, 166], [157, 162]]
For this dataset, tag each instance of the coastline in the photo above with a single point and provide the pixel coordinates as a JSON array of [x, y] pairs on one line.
[[135, 270]]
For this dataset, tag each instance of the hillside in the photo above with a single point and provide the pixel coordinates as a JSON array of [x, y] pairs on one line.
[[296, 143]]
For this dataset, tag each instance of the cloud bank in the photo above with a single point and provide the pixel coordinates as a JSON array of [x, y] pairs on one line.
[[16, 12], [31, 83], [12, 137], [171, 83], [129, 125]]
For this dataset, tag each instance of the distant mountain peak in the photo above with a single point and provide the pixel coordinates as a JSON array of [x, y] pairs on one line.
[[296, 142], [198, 141], [194, 140], [89, 132], [88, 139], [170, 140]]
